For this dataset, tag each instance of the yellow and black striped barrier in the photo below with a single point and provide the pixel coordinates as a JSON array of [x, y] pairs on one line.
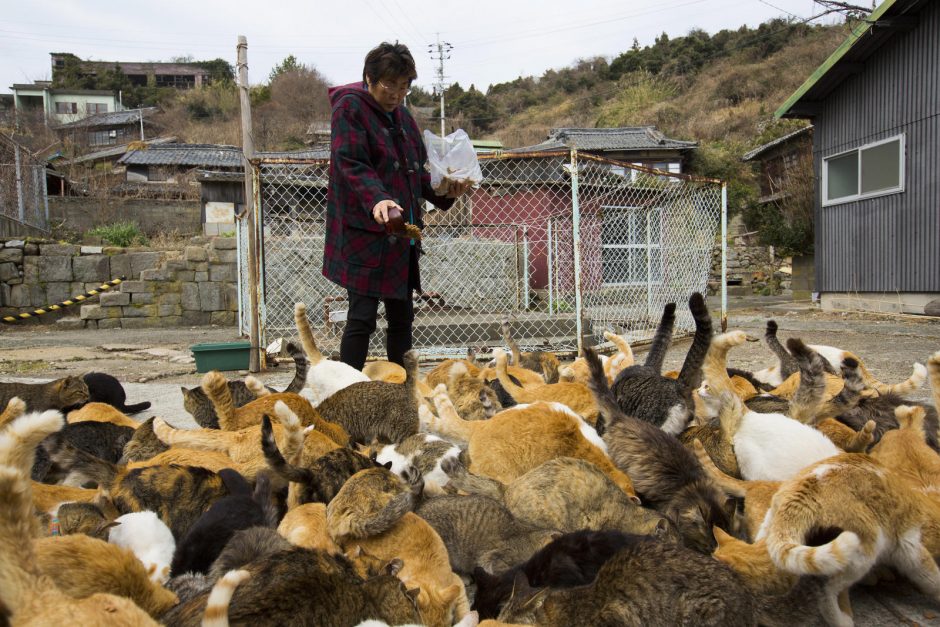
[[65, 303]]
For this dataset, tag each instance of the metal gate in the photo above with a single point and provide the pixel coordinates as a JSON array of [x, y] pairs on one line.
[[563, 245]]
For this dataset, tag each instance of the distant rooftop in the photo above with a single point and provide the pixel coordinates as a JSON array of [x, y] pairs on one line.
[[195, 155], [607, 139], [753, 154], [113, 118]]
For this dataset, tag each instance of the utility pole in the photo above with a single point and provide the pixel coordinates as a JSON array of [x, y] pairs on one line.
[[442, 51]]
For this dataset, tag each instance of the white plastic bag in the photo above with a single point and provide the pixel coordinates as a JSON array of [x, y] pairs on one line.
[[451, 158]]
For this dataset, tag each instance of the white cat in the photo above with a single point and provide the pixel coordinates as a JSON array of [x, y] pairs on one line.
[[775, 447], [149, 539], [325, 376], [420, 448]]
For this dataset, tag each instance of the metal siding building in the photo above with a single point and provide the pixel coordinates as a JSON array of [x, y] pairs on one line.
[[882, 82]]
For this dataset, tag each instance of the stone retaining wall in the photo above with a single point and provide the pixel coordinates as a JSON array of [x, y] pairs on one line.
[[164, 288]]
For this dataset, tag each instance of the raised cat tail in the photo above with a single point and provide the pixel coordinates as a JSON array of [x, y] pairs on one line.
[[787, 526], [412, 375], [19, 440], [216, 388], [293, 429], [850, 395], [135, 408], [306, 334], [714, 367], [933, 367], [597, 382], [447, 422], [662, 339], [517, 392], [216, 614], [300, 368], [15, 408], [199, 439], [623, 346], [691, 374], [917, 378], [513, 347], [808, 398], [462, 479], [276, 461], [788, 365], [731, 486], [256, 387]]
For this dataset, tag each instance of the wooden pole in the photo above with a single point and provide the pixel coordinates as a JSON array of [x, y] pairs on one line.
[[248, 152]]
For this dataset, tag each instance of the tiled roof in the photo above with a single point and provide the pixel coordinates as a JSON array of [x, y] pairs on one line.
[[607, 139], [196, 155], [116, 151], [309, 153], [780, 140], [113, 118]]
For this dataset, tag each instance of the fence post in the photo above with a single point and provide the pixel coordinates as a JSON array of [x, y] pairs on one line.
[[45, 198], [20, 201], [576, 245], [724, 257], [649, 268], [551, 263], [248, 150]]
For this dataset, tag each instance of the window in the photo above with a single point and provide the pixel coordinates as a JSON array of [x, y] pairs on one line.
[[871, 170], [66, 107], [631, 245], [108, 137], [92, 108]]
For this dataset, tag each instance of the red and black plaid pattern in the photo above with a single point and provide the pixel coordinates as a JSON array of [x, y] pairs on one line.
[[373, 157]]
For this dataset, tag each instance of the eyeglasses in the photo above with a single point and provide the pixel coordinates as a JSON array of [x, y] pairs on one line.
[[404, 88]]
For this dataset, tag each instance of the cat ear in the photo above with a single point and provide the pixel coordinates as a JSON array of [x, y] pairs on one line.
[[414, 593], [520, 584], [722, 537], [184, 390], [394, 567]]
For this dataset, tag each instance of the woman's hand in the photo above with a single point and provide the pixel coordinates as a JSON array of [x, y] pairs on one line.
[[380, 210], [456, 189]]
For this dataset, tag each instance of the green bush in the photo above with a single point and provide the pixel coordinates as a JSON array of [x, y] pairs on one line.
[[119, 234]]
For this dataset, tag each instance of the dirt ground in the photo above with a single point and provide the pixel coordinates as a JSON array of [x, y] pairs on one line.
[[153, 364]]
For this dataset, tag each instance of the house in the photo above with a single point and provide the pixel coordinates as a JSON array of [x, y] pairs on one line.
[[486, 146], [778, 160], [110, 129], [62, 106], [155, 74], [876, 145]]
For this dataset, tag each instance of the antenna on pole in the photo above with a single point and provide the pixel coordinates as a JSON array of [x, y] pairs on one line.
[[440, 52]]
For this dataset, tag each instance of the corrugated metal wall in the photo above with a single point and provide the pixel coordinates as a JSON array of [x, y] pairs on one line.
[[890, 243]]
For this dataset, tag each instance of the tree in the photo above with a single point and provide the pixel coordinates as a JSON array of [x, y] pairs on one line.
[[289, 64]]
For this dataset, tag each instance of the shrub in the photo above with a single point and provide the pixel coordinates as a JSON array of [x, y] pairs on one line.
[[119, 234]]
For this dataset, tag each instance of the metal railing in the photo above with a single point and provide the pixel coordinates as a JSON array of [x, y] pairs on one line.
[[23, 195]]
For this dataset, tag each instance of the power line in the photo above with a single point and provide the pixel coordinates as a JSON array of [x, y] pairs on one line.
[[443, 49]]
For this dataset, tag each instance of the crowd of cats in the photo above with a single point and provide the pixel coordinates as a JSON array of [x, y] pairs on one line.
[[507, 488]]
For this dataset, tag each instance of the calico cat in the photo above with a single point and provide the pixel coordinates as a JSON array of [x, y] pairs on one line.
[[426, 453], [667, 476], [645, 583], [472, 397], [442, 599], [320, 481], [301, 586], [80, 566], [375, 410], [216, 614], [29, 594], [543, 362], [101, 412], [572, 559], [325, 376], [103, 388], [518, 439], [479, 532], [241, 509], [149, 539], [566, 494], [247, 546], [372, 501], [58, 394], [575, 395], [643, 393], [101, 439], [871, 517]]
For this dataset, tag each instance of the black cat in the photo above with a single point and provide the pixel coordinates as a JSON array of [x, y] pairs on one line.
[[103, 388]]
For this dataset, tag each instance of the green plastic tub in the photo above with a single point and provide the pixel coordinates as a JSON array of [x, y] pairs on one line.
[[221, 356]]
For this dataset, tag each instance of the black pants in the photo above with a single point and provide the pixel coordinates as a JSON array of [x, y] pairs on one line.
[[361, 322]]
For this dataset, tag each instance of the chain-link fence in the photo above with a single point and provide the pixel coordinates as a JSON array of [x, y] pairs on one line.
[[545, 237], [22, 186]]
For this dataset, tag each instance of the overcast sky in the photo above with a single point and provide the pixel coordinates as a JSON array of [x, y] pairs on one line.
[[493, 40]]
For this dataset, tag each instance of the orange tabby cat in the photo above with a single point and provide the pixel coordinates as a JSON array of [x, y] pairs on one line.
[[577, 396], [441, 372], [101, 412], [442, 599], [520, 438], [201, 458], [578, 371], [14, 409], [904, 450], [305, 525]]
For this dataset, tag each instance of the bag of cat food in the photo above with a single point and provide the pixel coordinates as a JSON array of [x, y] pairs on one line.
[[451, 158]]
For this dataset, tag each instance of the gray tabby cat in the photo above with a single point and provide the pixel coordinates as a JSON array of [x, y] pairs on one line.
[[479, 531], [61, 394]]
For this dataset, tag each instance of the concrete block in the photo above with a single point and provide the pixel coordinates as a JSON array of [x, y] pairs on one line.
[[143, 261], [195, 253], [31, 249], [190, 297], [211, 297], [131, 287], [16, 281], [64, 250], [31, 269], [222, 318], [141, 298], [72, 324], [142, 323], [121, 266], [223, 243], [198, 266], [91, 268], [195, 318], [55, 268], [139, 311], [114, 299], [19, 296], [93, 312], [76, 288], [223, 256], [5, 294], [15, 243], [169, 310], [223, 272], [231, 296], [37, 295], [14, 255], [8, 270], [109, 323], [184, 275], [58, 291], [92, 250], [175, 265], [201, 277], [154, 274], [170, 299]]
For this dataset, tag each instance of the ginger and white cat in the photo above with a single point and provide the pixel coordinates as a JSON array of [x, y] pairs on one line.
[[576, 396], [149, 539], [324, 376], [578, 370]]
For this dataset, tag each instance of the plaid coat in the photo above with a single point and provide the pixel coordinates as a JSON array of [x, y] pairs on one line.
[[372, 158]]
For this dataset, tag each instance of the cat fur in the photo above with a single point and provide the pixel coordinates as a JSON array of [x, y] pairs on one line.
[[424, 451], [62, 394], [472, 397], [103, 388], [372, 501], [216, 614], [577, 396], [543, 362], [149, 539], [325, 376], [101, 412], [247, 546]]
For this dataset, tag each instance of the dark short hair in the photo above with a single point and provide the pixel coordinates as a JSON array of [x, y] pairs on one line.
[[389, 60]]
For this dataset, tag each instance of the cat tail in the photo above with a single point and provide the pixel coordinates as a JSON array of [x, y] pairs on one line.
[[216, 614], [662, 339], [294, 431], [810, 394], [691, 374], [788, 365], [412, 375], [263, 496], [306, 334], [256, 387], [465, 481], [731, 485], [715, 364], [933, 367], [15, 408], [851, 393], [787, 529], [300, 368], [276, 461], [513, 347], [517, 392], [447, 422], [135, 408], [80, 464], [549, 364], [216, 388], [914, 382], [911, 417], [19, 440], [197, 439], [597, 382], [623, 346]]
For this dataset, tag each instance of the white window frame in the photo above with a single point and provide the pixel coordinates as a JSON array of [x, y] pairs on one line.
[[642, 211], [860, 196]]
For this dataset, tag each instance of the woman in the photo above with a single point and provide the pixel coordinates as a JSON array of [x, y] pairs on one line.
[[377, 161]]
